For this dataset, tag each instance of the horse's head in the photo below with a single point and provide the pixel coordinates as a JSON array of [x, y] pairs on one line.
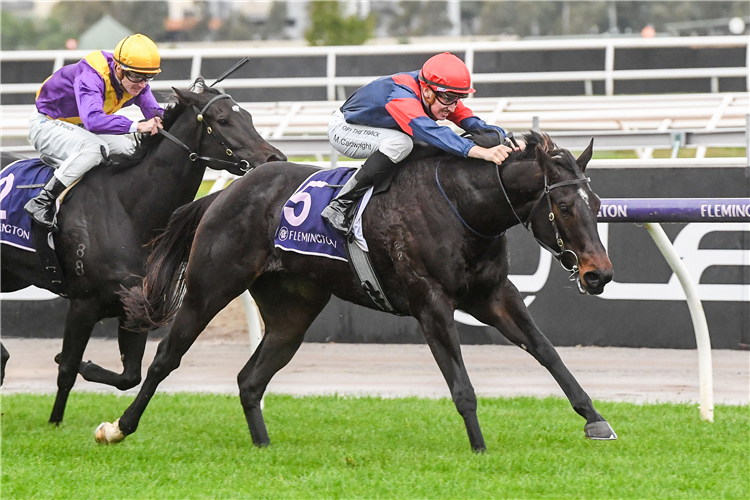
[[228, 133], [563, 218]]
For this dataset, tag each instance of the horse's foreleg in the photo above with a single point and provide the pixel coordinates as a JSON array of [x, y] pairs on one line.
[[506, 311], [4, 360], [287, 315], [80, 321], [132, 346], [442, 336]]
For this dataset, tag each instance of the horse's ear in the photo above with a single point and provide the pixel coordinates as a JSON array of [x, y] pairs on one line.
[[585, 157], [183, 96], [180, 95], [199, 85], [543, 159]]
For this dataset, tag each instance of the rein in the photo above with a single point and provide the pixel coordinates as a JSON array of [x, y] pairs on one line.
[[194, 156], [455, 211]]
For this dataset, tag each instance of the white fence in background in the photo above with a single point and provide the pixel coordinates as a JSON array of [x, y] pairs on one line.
[[333, 83], [642, 122]]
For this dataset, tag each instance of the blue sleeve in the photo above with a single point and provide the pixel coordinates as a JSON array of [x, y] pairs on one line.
[[426, 130], [474, 123]]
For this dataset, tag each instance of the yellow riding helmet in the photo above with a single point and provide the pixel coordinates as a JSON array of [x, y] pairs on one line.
[[139, 54]]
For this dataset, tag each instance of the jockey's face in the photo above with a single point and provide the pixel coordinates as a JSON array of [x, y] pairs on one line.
[[436, 109], [131, 87]]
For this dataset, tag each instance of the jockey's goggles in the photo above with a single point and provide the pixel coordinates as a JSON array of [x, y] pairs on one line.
[[448, 98], [138, 77]]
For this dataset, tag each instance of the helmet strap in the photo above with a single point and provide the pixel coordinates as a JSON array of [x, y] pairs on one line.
[[427, 103], [119, 73]]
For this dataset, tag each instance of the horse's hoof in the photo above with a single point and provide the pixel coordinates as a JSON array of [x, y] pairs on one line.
[[600, 430], [108, 433]]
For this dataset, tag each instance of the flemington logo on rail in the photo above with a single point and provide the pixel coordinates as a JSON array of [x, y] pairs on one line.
[[675, 209], [721, 210], [612, 211]]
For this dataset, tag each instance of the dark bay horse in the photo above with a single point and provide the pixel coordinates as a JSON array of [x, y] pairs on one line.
[[116, 209], [436, 239]]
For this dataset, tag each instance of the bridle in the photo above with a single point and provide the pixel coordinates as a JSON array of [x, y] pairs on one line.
[[567, 258], [243, 165], [564, 253]]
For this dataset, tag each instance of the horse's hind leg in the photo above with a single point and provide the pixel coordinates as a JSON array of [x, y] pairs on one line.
[[5, 357], [288, 307], [203, 300], [506, 311], [132, 346], [436, 319], [80, 321]]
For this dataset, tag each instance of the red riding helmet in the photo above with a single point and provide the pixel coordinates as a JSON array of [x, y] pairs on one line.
[[446, 73]]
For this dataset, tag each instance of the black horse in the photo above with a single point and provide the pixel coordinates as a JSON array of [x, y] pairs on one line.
[[435, 250], [108, 217]]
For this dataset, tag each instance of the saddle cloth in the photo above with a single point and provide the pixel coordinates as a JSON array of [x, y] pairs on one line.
[[15, 223], [302, 229]]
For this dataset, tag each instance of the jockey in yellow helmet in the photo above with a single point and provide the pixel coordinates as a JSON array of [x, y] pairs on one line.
[[74, 120]]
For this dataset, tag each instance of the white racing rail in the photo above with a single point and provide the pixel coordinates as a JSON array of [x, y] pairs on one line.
[[642, 123]]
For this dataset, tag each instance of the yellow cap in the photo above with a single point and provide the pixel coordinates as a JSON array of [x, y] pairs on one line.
[[138, 53]]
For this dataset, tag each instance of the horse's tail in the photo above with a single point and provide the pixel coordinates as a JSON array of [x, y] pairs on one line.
[[155, 302]]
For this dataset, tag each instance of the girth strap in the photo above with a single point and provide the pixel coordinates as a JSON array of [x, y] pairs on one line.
[[360, 263]]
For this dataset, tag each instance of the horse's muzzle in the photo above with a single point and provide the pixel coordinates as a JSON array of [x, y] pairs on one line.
[[592, 282]]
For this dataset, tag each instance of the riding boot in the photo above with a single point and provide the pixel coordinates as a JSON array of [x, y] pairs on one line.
[[42, 208], [340, 211]]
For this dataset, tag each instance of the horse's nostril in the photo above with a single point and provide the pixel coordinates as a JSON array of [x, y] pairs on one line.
[[595, 279], [277, 157]]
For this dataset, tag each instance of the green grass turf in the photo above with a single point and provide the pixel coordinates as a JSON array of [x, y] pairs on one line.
[[198, 446]]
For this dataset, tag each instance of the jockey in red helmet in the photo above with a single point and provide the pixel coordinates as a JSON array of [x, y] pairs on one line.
[[75, 121], [382, 120]]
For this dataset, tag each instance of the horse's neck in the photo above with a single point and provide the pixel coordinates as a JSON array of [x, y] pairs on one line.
[[478, 196], [523, 182], [165, 180]]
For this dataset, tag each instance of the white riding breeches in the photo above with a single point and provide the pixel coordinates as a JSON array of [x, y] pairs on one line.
[[360, 141], [79, 149]]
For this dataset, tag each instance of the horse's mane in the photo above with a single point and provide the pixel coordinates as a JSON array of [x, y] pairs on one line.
[[533, 139], [146, 143]]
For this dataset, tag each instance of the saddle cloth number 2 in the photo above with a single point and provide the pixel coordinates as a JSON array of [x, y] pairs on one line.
[[6, 184]]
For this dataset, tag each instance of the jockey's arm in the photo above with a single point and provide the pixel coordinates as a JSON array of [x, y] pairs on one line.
[[498, 154]]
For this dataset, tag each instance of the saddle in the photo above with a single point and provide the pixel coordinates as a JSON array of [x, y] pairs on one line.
[[302, 230], [19, 182]]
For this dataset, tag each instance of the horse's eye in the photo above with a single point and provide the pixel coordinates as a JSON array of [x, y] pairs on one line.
[[565, 209], [222, 121]]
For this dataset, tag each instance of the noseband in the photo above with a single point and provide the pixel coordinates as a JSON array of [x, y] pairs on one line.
[[243, 165]]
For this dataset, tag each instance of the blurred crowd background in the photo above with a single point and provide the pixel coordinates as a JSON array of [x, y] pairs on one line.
[[88, 24]]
